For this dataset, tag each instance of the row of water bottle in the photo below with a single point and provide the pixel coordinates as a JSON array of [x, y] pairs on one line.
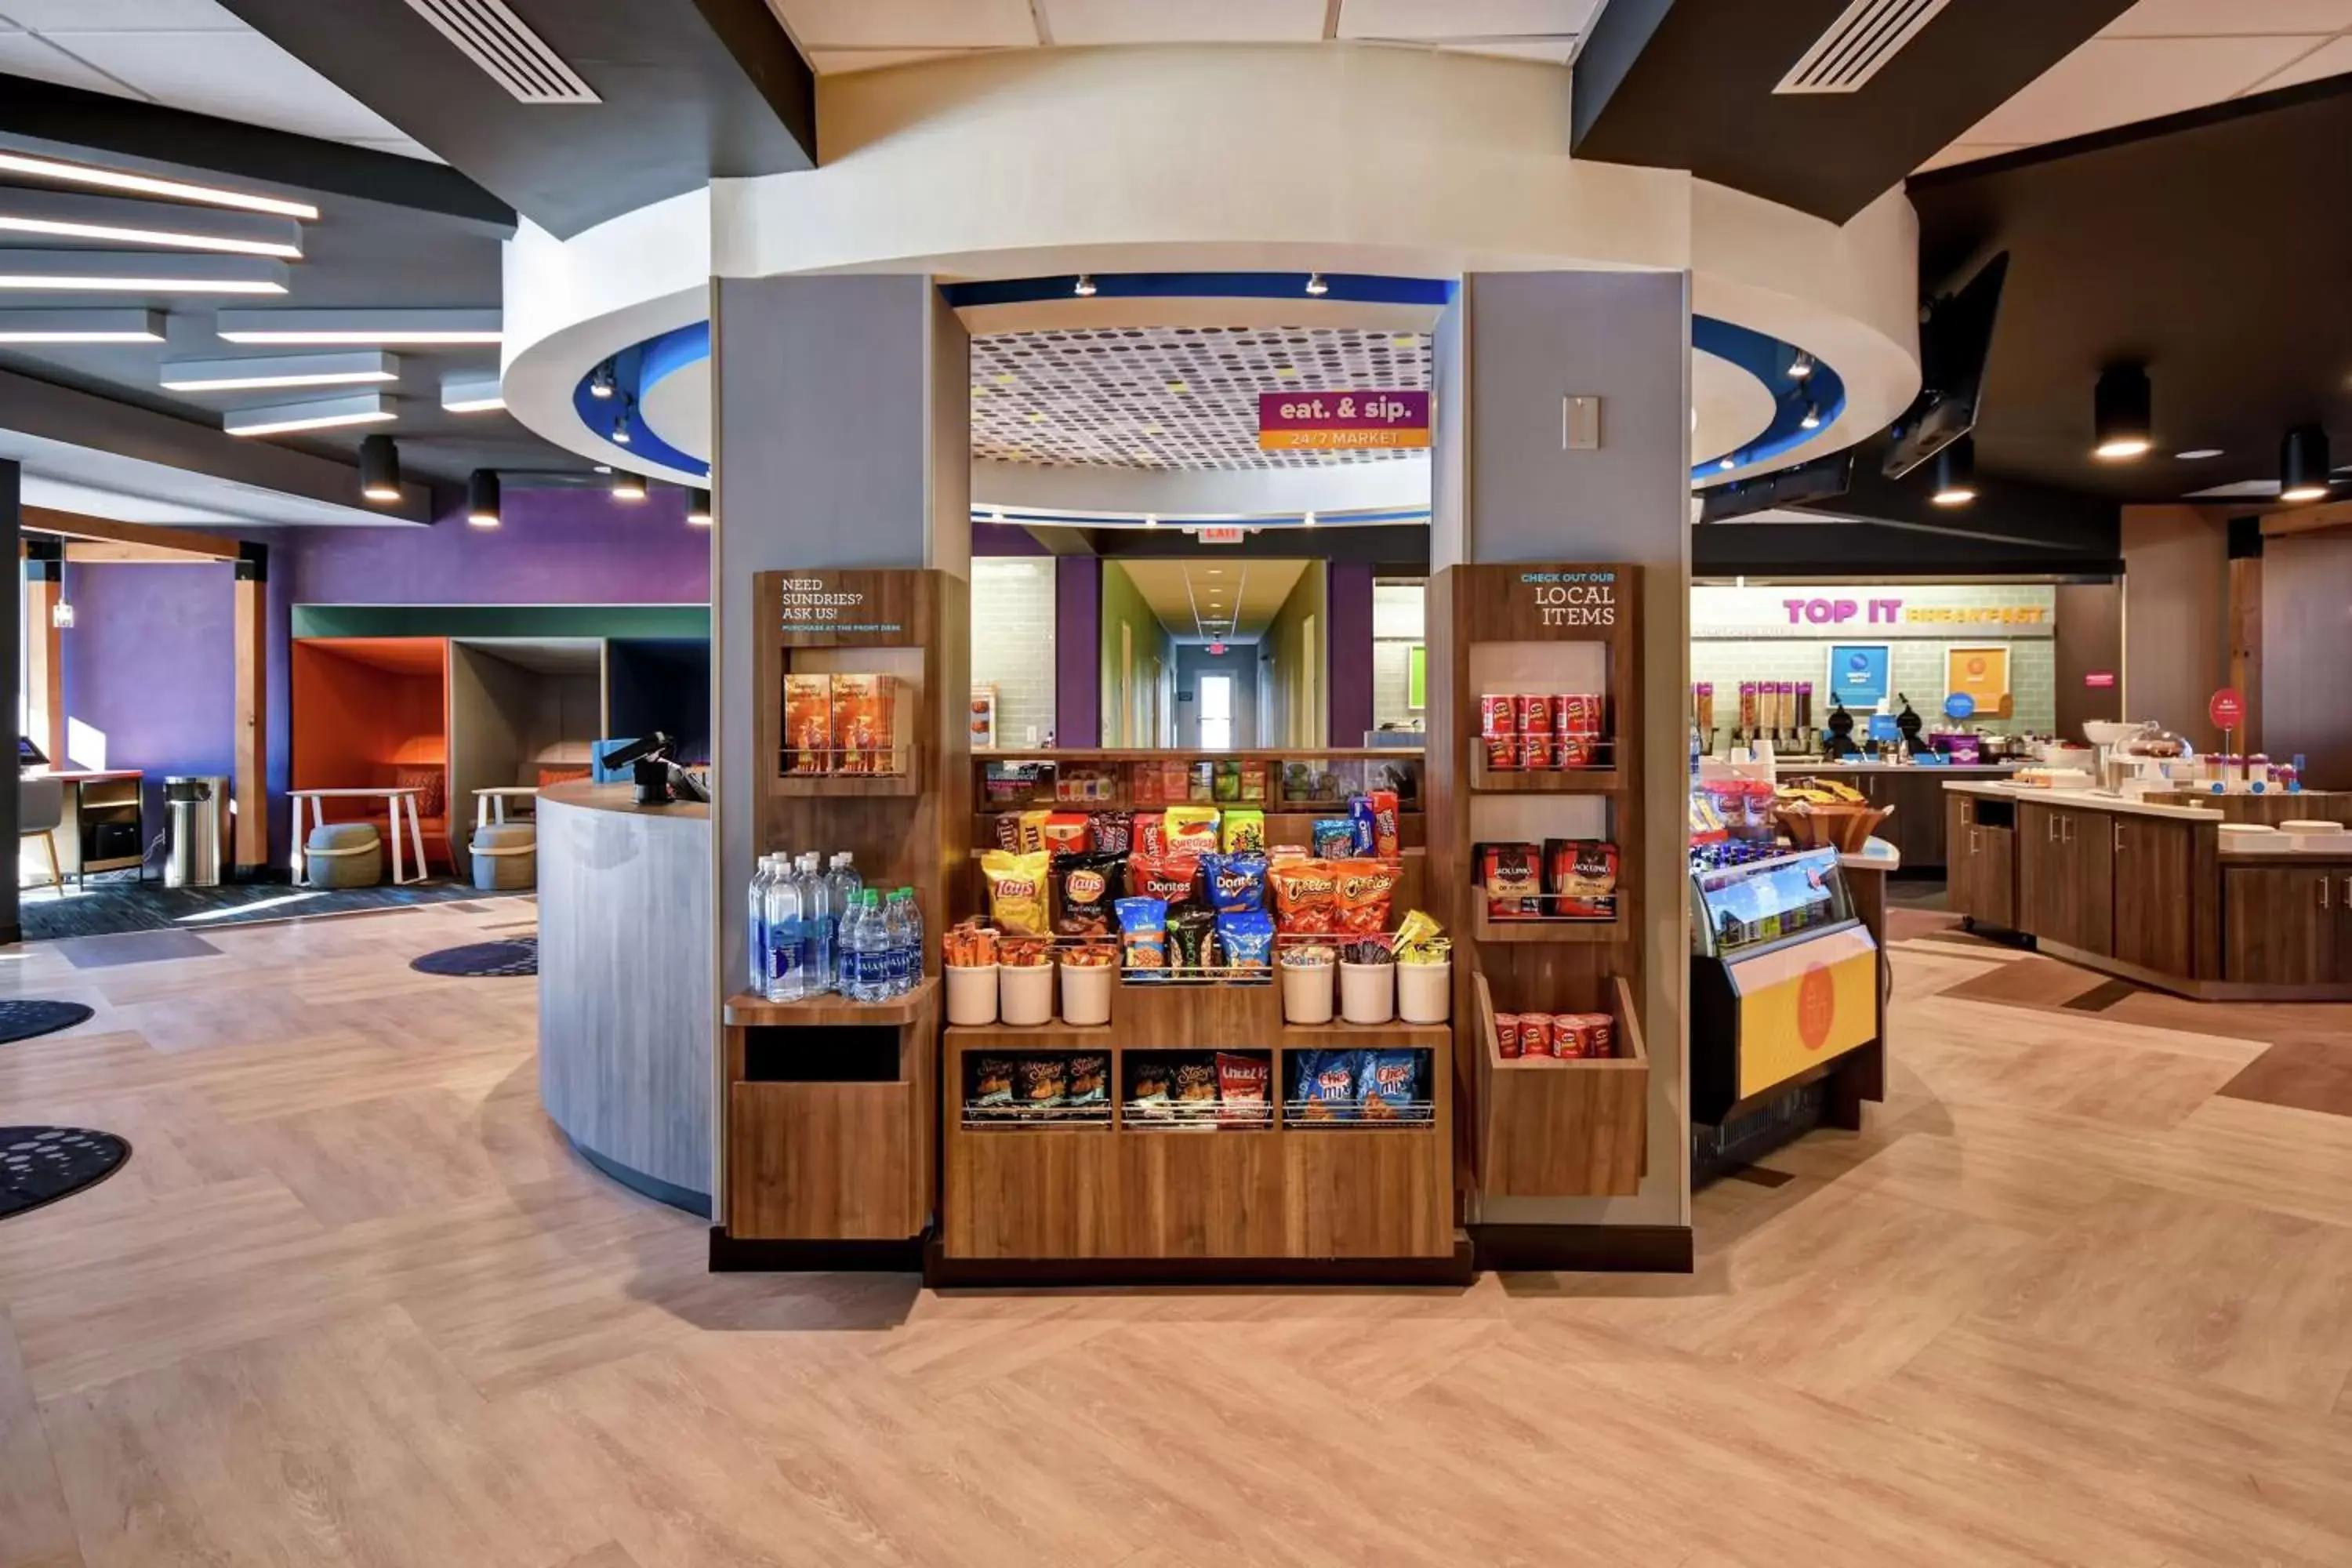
[[814, 931]]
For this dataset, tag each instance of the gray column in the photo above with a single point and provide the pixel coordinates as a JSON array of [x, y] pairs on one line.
[[11, 674], [842, 413], [1506, 488]]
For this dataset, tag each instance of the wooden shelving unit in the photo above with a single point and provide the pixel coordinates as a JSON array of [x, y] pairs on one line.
[[1549, 1130]]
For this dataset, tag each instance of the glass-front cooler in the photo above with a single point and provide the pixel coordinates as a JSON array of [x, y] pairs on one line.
[[1784, 977]]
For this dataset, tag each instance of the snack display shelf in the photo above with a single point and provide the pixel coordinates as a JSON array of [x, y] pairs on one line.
[[908, 780], [1553, 1128], [1486, 780], [744, 1010], [1485, 927]]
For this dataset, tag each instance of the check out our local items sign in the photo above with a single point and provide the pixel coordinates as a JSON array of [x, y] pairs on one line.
[[1932, 613], [1341, 421]]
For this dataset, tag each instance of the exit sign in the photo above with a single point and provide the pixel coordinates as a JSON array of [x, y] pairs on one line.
[[1223, 535]]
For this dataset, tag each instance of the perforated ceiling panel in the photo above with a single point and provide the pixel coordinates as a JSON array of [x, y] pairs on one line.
[[1171, 398]]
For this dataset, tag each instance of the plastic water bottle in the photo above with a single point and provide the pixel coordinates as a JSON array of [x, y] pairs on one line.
[[894, 925], [820, 927], [914, 939], [787, 963], [873, 959], [846, 883], [755, 934]]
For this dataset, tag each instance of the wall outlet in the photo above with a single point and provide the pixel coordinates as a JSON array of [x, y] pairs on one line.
[[1028, 734]]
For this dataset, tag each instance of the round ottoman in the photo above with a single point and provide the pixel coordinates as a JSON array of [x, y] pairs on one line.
[[344, 854], [506, 855]]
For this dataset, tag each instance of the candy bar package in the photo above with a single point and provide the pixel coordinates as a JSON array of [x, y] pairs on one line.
[[1245, 939], [1389, 1086], [1040, 1083], [1143, 936], [1581, 877], [1191, 829], [1008, 831], [993, 1081], [1388, 838], [1241, 1088], [1167, 877], [1110, 832], [862, 724], [1033, 831], [1064, 833], [1306, 897], [1088, 882], [1243, 828], [1360, 824], [1512, 875], [1365, 890], [1016, 891], [1335, 838], [1325, 1086], [1089, 1080], [1192, 940], [808, 723], [1236, 882]]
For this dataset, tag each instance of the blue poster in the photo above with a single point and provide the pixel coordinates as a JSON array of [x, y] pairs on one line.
[[1859, 673]]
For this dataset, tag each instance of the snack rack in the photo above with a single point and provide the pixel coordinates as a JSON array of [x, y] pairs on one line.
[[1552, 1129], [830, 1105], [1134, 1191]]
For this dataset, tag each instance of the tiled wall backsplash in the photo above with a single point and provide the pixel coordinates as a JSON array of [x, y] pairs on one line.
[[1013, 643]]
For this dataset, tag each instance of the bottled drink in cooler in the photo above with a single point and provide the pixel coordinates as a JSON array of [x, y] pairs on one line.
[[820, 926], [787, 964]]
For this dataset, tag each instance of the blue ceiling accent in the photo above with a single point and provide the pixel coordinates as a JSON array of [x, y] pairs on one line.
[[1768, 360], [635, 370]]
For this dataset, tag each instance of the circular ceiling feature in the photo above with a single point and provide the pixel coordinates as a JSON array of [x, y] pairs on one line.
[[1170, 398]]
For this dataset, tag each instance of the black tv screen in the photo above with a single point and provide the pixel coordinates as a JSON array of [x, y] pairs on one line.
[[1954, 343]]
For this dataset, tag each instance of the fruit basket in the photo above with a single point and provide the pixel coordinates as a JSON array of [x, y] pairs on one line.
[[1813, 813]]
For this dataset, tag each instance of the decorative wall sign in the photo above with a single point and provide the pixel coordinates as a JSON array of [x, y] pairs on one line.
[[1342, 421], [1982, 675], [1861, 673]]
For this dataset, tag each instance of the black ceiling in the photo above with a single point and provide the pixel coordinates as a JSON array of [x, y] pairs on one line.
[[1688, 84], [692, 89], [2215, 245]]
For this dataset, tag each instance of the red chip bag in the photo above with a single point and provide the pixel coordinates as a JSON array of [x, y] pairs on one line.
[[1166, 877], [1306, 897]]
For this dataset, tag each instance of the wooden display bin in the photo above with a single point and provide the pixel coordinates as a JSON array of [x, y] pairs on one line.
[[1562, 1129]]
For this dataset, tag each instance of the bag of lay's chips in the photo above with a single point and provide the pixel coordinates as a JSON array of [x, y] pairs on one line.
[[1016, 891]]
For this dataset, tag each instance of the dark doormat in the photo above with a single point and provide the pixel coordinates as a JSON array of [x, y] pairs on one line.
[[41, 1164], [23, 1019], [505, 960]]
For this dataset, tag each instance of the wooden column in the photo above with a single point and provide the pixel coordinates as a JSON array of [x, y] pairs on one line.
[[45, 672], [250, 787]]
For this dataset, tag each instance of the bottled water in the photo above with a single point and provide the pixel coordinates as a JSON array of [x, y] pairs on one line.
[[914, 939], [820, 927], [787, 964], [755, 935], [846, 881], [862, 936], [894, 925]]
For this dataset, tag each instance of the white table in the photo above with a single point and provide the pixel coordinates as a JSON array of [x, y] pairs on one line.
[[393, 798], [496, 796]]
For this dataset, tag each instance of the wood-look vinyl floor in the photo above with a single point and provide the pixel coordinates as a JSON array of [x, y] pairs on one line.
[[353, 1303]]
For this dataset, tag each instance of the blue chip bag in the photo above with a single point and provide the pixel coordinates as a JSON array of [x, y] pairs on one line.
[[1361, 824], [1335, 838], [1143, 937], [1325, 1090], [1236, 881], [1245, 938], [1389, 1086]]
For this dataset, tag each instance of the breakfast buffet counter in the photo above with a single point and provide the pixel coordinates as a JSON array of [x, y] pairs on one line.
[[2169, 894]]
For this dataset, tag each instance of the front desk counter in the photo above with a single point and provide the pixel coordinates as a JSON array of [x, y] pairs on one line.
[[1788, 986], [2150, 891], [626, 997], [1916, 829]]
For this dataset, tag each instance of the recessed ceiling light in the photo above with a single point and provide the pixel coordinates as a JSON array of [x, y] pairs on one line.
[[119, 326], [1308, 521], [1149, 521], [1727, 463], [361, 328], [324, 414], [2198, 453], [151, 185], [139, 272], [1812, 419], [600, 380], [283, 370], [1085, 287], [1316, 287]]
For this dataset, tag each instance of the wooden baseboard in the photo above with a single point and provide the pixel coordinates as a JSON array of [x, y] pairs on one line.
[[734, 1255], [1453, 1270], [1583, 1249]]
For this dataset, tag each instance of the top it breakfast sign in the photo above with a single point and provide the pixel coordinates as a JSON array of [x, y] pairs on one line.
[[1341, 421]]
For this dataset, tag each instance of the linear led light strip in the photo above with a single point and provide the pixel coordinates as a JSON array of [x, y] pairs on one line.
[[119, 326], [281, 370], [149, 185], [358, 328], [324, 414], [12, 224]]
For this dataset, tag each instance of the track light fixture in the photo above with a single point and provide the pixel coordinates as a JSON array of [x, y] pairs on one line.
[[697, 508], [380, 469], [482, 498], [600, 380], [1308, 522], [627, 486], [2303, 464], [1802, 367], [1150, 521], [1316, 287], [1812, 419], [1728, 462], [621, 421], [1085, 289], [1956, 473], [2123, 420]]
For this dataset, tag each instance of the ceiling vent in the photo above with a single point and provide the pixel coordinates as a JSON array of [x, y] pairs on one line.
[[517, 58], [1856, 46]]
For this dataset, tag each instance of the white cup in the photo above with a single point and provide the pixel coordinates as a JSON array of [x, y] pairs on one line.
[[1424, 992], [1368, 993], [1085, 994], [972, 994], [1306, 993], [1024, 994]]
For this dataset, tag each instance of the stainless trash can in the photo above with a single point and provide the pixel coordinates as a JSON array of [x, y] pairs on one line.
[[196, 827]]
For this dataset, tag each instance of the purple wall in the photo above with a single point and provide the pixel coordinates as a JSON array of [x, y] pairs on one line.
[[1004, 539], [1078, 650], [555, 547], [1349, 660], [150, 664]]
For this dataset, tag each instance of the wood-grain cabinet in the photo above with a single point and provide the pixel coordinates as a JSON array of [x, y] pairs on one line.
[[1980, 866], [2288, 926]]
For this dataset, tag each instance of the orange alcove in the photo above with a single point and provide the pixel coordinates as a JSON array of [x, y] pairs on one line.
[[374, 711]]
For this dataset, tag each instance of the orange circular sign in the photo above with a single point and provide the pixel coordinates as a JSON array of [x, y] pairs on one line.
[[1816, 1007], [1976, 666]]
